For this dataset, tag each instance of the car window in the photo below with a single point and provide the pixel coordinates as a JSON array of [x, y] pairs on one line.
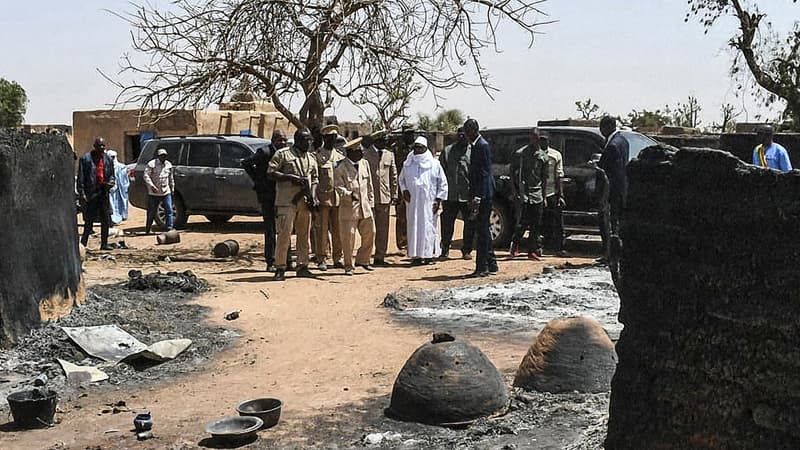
[[204, 154], [579, 150], [636, 143], [504, 144], [231, 155], [173, 150]]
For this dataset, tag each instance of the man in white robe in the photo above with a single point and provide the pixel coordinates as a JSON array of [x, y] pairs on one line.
[[424, 186]]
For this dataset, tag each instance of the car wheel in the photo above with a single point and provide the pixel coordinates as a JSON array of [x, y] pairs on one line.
[[500, 225], [178, 213], [218, 218]]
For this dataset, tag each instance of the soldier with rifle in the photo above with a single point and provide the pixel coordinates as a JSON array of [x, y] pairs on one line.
[[294, 170]]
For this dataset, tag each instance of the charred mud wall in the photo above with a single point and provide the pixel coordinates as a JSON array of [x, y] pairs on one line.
[[40, 268], [709, 356]]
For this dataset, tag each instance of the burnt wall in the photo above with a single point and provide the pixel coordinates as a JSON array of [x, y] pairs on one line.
[[40, 268], [710, 353]]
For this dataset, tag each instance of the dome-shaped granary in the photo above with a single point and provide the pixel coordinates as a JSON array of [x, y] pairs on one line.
[[447, 382], [572, 354]]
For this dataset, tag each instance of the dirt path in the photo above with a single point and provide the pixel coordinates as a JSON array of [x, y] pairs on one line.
[[316, 344]]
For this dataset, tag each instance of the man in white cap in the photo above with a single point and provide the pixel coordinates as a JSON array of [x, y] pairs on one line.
[[160, 185], [424, 187]]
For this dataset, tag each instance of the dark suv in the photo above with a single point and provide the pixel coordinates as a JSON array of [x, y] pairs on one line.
[[578, 146], [209, 179]]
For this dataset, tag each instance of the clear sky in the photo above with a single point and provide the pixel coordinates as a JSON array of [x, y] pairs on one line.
[[624, 54]]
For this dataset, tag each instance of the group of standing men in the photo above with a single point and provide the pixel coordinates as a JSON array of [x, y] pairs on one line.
[[326, 195]]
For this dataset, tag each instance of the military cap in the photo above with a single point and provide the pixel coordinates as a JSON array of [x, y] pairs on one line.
[[352, 143], [329, 129]]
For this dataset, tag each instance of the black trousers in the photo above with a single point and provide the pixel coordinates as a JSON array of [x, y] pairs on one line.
[[98, 208], [610, 215], [268, 213], [553, 224], [450, 211], [530, 219], [485, 258]]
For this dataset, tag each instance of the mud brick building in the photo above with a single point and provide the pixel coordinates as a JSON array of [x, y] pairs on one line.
[[126, 130]]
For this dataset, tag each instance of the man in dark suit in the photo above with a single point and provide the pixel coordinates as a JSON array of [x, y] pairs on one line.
[[95, 180], [613, 162], [256, 167], [481, 190]]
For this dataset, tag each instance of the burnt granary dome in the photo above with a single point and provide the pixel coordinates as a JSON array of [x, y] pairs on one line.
[[447, 381]]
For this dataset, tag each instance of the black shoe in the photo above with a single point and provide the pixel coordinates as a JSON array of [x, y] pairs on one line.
[[601, 260], [338, 265], [366, 267], [348, 272], [106, 247], [280, 275], [416, 262], [477, 274], [445, 254], [466, 255], [493, 269], [322, 266], [562, 254], [427, 261], [271, 268], [303, 272], [379, 263]]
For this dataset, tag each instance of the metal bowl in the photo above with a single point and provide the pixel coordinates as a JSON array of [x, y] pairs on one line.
[[238, 428], [266, 409]]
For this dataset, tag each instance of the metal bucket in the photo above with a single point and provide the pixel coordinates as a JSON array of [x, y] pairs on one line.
[[33, 409], [226, 248], [266, 409]]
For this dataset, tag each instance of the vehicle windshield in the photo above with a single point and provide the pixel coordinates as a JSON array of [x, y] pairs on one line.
[[637, 142]]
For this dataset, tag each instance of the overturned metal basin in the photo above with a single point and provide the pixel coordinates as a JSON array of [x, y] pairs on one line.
[[447, 382]]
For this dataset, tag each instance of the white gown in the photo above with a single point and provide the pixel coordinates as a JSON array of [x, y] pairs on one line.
[[424, 178]]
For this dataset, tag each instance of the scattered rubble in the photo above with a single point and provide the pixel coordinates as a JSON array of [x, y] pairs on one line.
[[184, 281], [149, 315]]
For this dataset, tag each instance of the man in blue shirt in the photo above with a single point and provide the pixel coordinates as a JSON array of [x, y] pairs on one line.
[[769, 154]]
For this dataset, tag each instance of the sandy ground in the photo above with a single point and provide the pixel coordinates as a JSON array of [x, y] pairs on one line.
[[316, 344]]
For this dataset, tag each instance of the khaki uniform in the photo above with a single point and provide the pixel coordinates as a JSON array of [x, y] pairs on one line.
[[354, 185], [327, 218], [292, 215], [401, 152], [384, 186]]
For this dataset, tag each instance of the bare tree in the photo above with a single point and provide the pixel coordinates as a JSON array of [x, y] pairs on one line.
[[588, 109], [307, 52], [729, 115], [687, 114], [389, 99], [773, 62]]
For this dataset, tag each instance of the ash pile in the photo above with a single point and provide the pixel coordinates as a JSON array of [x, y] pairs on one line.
[[708, 355], [149, 316], [185, 281]]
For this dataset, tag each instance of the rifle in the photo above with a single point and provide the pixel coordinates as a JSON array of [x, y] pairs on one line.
[[305, 191]]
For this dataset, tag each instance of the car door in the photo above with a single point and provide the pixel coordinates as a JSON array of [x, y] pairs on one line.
[[579, 188], [198, 177], [234, 188]]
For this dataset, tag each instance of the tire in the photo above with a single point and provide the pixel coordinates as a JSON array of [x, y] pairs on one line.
[[218, 218], [501, 225], [178, 210]]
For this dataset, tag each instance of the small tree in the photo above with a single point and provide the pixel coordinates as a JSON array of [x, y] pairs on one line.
[[687, 114], [588, 109], [446, 121], [729, 115], [649, 119], [13, 104]]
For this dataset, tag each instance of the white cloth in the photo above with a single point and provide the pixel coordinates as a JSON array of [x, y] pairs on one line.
[[424, 178], [158, 178]]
